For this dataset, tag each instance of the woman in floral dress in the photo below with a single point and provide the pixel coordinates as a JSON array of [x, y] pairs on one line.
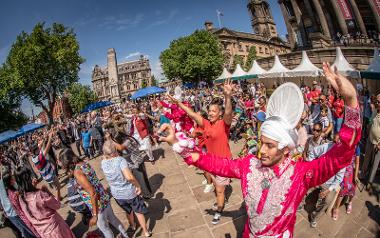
[[92, 193], [348, 185]]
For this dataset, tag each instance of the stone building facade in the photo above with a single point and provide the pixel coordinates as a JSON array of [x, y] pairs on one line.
[[264, 37], [321, 23], [117, 82]]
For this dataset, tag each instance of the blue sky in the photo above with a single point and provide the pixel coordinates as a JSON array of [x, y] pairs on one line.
[[131, 27]]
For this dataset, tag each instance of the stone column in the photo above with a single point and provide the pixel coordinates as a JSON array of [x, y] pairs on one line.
[[375, 13], [358, 17], [339, 15], [298, 13], [288, 26], [322, 18]]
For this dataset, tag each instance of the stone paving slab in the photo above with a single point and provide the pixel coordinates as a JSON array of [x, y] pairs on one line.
[[180, 209]]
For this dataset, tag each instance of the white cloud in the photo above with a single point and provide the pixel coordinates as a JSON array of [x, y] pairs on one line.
[[133, 55], [121, 22], [163, 21]]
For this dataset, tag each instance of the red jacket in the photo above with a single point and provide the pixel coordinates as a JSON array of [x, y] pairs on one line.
[[141, 126]]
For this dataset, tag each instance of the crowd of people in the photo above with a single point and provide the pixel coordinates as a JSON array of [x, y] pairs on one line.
[[206, 122]]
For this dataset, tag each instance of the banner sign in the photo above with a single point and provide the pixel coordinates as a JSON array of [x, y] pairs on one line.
[[345, 9], [377, 6]]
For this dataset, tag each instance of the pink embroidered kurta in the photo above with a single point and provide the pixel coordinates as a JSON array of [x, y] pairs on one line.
[[272, 194]]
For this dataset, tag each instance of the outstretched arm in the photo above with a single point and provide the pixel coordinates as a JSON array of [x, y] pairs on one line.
[[214, 164], [193, 115], [228, 89], [340, 155]]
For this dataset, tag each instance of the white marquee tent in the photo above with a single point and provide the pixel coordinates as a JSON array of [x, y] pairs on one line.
[[343, 66], [277, 70], [305, 68]]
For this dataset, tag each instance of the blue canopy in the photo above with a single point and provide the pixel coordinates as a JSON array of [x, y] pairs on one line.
[[8, 136], [29, 128], [147, 91], [96, 105]]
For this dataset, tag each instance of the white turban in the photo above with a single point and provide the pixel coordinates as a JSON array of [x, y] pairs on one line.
[[284, 110], [278, 129]]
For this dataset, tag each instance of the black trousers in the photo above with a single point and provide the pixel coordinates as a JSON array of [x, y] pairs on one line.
[[142, 177]]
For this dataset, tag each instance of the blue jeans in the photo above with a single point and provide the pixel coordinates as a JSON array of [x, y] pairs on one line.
[[337, 124], [20, 225]]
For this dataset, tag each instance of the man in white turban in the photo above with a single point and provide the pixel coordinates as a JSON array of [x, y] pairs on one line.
[[273, 185]]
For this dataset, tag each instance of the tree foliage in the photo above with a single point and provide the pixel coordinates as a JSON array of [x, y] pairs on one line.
[[42, 64], [11, 116], [154, 81], [251, 57], [80, 96], [193, 58], [238, 59]]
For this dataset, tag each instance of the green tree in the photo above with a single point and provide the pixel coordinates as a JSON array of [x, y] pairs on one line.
[[154, 81], [238, 59], [80, 96], [42, 64], [10, 101], [251, 57], [144, 84], [193, 58]]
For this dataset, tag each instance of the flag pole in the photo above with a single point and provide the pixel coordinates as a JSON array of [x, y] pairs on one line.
[[219, 20]]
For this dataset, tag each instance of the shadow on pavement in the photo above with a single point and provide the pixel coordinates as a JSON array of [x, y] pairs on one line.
[[157, 207]]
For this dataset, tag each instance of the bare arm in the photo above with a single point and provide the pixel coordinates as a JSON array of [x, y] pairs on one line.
[[48, 144], [129, 176], [193, 115], [228, 89], [87, 186]]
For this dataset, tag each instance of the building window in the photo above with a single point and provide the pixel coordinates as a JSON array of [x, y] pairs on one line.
[[247, 48], [240, 47], [260, 49], [266, 50]]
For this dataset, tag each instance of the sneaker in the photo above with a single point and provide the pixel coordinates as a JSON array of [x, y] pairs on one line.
[[335, 214], [148, 234], [216, 218], [313, 223], [349, 208], [208, 188]]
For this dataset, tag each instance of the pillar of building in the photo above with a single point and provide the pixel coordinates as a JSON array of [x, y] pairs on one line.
[[298, 14], [375, 13], [339, 16], [289, 28], [113, 75], [358, 17], [322, 18]]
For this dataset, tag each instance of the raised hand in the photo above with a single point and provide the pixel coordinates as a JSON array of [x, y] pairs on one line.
[[171, 99], [341, 84], [170, 138], [228, 88]]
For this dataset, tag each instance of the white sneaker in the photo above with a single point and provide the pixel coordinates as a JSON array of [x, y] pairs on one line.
[[216, 218], [208, 188]]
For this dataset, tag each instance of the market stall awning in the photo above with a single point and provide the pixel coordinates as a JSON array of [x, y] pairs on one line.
[[277, 70], [225, 75], [147, 91], [343, 66], [373, 70], [305, 68]]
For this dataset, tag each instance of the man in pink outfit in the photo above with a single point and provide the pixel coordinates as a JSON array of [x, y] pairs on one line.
[[273, 185]]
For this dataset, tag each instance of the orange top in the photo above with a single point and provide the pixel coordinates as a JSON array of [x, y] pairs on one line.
[[216, 138]]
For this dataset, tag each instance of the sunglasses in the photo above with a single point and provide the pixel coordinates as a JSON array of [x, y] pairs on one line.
[[317, 130]]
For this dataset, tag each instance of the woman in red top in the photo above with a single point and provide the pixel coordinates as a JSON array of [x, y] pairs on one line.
[[216, 133], [338, 112]]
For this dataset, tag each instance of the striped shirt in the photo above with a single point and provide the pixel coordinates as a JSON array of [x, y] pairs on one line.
[[44, 167]]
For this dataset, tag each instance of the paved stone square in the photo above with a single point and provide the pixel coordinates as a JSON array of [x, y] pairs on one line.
[[180, 209]]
